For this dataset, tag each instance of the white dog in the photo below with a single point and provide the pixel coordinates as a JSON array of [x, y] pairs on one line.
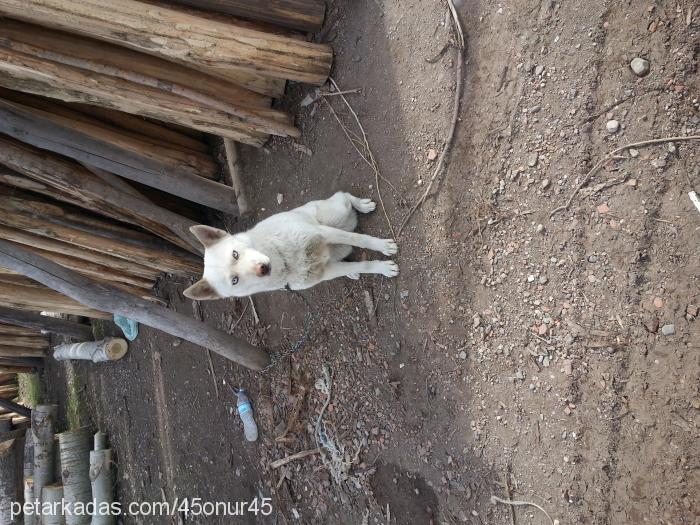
[[296, 249]]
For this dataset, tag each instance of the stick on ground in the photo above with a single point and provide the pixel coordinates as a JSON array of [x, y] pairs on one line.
[[455, 118]]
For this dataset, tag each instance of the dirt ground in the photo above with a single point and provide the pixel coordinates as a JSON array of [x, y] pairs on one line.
[[517, 355]]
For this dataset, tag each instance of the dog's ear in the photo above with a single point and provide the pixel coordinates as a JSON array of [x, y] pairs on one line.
[[201, 291], [207, 235]]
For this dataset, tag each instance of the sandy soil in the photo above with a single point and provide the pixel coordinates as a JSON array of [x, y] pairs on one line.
[[518, 354]]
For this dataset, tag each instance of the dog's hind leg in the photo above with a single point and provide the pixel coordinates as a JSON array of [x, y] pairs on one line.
[[340, 210]]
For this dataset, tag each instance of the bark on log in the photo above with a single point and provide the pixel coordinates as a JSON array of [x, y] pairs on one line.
[[29, 460], [15, 407], [95, 148], [71, 84], [302, 15], [102, 296], [32, 216], [74, 447], [108, 349], [101, 483], [45, 323], [10, 479], [9, 391], [44, 299], [10, 329], [221, 49], [138, 126], [58, 247], [16, 351], [234, 173], [31, 363], [30, 517], [77, 185], [42, 430], [27, 341], [52, 497]]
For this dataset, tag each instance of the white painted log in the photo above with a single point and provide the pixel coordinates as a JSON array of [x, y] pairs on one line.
[[108, 349], [29, 518], [101, 482], [43, 422], [100, 441], [51, 499], [74, 446]]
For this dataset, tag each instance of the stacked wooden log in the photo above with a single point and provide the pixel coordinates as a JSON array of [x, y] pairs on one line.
[[105, 107]]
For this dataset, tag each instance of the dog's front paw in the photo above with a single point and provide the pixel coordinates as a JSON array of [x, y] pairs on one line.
[[366, 205], [390, 269], [388, 247]]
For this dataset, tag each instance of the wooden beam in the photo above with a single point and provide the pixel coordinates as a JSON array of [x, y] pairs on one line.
[[38, 341], [99, 147], [302, 15], [45, 323], [221, 48], [22, 214], [71, 84], [110, 299], [43, 299]]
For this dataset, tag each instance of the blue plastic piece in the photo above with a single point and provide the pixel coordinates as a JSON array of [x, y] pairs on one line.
[[129, 327]]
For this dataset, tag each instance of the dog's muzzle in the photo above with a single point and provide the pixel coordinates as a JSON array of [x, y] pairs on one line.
[[261, 270]]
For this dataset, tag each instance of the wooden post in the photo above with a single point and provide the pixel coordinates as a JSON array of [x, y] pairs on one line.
[[74, 446], [71, 84], [52, 496], [99, 295], [221, 48], [43, 427], [108, 349], [82, 144], [101, 481], [303, 15], [10, 479], [45, 323], [234, 172]]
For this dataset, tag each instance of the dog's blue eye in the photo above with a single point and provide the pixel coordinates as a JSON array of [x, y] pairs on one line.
[[235, 256], [234, 280]]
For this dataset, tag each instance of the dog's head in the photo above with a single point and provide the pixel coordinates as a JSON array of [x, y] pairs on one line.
[[232, 267]]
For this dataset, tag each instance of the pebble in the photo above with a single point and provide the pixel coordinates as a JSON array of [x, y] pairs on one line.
[[603, 208], [519, 375], [544, 184], [462, 355], [658, 302], [543, 279], [404, 295], [568, 367], [592, 258], [691, 312], [640, 66], [539, 70], [532, 160], [432, 154], [531, 278], [659, 163], [613, 126], [634, 153], [540, 228], [668, 329]]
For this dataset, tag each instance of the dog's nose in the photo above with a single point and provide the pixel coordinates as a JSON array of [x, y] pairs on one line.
[[261, 270]]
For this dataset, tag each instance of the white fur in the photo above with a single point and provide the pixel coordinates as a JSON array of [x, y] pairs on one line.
[[302, 247]]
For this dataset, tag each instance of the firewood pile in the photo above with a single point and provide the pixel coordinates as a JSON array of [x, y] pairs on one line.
[[109, 114]]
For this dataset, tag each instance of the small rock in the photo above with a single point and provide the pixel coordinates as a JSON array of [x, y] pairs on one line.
[[668, 329], [640, 66], [652, 325], [539, 70], [462, 355], [568, 367], [535, 109], [543, 279], [567, 411], [532, 159], [519, 375], [632, 183], [540, 228], [659, 163], [476, 321], [603, 208], [280, 198], [542, 329], [432, 154], [404, 295], [544, 184], [634, 153], [691, 312], [658, 302], [593, 258], [531, 278], [613, 126]]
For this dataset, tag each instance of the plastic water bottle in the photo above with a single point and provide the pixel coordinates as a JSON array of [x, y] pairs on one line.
[[245, 411]]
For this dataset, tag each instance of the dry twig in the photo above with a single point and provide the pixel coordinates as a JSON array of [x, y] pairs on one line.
[[613, 155], [455, 118], [299, 455], [516, 503]]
